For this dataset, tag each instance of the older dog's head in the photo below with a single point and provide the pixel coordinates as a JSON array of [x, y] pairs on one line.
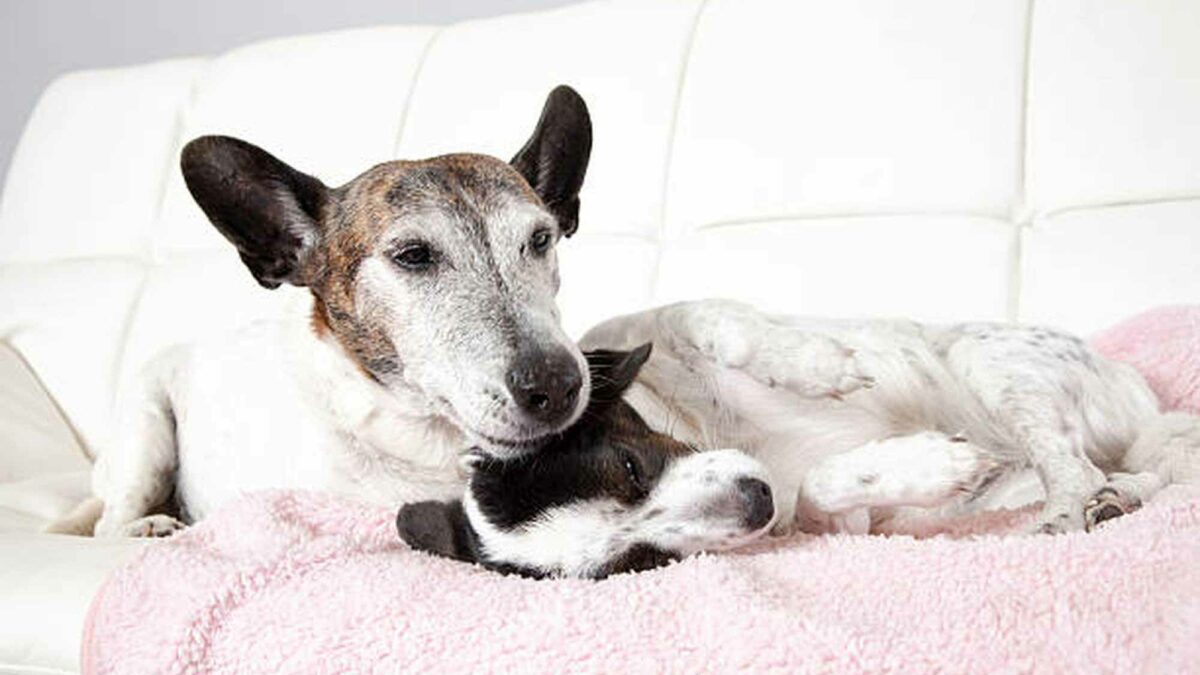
[[437, 276], [610, 495]]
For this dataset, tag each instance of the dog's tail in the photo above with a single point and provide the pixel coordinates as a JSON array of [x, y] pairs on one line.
[[81, 521]]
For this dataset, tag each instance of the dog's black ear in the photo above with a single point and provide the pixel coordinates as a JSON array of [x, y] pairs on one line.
[[438, 527], [613, 371], [264, 207], [555, 158]]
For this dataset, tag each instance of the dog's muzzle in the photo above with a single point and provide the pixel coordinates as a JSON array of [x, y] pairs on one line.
[[545, 385]]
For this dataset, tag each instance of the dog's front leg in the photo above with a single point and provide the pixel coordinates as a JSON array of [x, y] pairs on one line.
[[137, 473], [776, 354], [1070, 479], [925, 469], [734, 335]]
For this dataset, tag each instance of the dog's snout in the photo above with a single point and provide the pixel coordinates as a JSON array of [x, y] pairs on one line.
[[545, 385], [756, 498]]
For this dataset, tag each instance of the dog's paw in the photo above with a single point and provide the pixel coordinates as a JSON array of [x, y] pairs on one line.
[[736, 336], [723, 332], [152, 526], [1059, 519], [924, 469], [1106, 504], [811, 366]]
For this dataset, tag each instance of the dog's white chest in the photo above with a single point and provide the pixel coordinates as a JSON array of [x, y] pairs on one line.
[[268, 409]]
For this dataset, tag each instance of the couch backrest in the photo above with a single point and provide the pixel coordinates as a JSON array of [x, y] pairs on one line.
[[944, 160]]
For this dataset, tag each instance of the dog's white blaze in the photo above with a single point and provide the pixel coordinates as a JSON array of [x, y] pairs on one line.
[[462, 360], [695, 506]]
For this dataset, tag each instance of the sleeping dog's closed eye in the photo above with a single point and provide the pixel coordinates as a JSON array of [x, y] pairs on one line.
[[610, 495]]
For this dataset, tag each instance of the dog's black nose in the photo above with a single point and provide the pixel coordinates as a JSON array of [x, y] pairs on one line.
[[756, 497], [545, 384]]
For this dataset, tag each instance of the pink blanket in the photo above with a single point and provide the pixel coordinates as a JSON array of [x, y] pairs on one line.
[[305, 583]]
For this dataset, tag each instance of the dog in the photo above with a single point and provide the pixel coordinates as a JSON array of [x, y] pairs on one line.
[[433, 329], [853, 423], [608, 496]]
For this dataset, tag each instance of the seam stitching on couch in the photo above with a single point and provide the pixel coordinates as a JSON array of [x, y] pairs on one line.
[[1117, 203], [849, 215], [41, 262], [672, 130], [412, 88], [1021, 216], [29, 668]]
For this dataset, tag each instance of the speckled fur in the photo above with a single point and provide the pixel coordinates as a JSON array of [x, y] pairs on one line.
[[844, 401]]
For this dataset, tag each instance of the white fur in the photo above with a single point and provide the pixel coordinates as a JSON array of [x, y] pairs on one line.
[[571, 540], [270, 406], [922, 469]]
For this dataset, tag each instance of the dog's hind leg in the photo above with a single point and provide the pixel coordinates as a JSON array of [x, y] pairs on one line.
[[136, 474], [1123, 493], [1167, 450]]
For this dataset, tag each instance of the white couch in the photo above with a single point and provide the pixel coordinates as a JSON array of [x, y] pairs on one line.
[[1006, 160]]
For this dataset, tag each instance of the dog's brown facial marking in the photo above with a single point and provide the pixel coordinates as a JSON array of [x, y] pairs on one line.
[[463, 192], [436, 275]]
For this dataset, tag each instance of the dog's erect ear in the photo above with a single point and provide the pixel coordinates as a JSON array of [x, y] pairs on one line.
[[613, 371], [555, 158], [438, 527], [264, 207]]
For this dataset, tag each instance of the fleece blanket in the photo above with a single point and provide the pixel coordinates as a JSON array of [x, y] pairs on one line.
[[292, 582]]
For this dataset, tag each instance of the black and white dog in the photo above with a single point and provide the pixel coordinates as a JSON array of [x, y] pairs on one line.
[[610, 495], [850, 422]]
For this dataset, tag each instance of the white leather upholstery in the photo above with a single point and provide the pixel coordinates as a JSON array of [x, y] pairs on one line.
[[37, 439], [1034, 161], [859, 107]]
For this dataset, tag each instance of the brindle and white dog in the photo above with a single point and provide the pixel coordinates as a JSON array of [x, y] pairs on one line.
[[851, 422], [433, 328]]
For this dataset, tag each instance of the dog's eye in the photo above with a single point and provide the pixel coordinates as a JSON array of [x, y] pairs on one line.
[[633, 471], [414, 256], [540, 241]]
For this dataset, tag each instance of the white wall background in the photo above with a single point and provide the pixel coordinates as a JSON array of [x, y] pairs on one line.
[[40, 39]]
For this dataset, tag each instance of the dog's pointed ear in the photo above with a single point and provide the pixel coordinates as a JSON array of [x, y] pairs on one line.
[[613, 371], [440, 528], [268, 210], [555, 158]]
